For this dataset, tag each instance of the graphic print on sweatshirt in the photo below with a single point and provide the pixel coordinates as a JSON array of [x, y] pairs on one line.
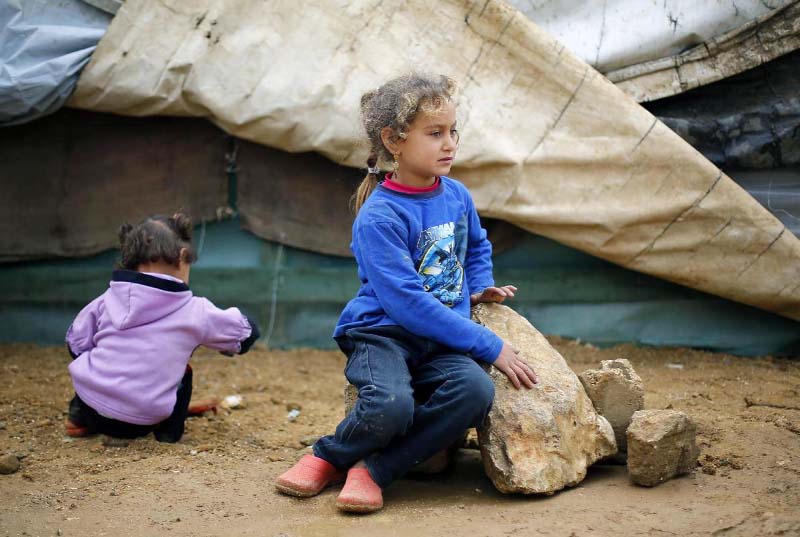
[[441, 265]]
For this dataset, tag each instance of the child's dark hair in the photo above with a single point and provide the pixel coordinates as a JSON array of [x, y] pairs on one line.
[[395, 105], [156, 238]]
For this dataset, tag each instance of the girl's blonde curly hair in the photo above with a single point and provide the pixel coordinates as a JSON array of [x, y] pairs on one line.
[[395, 105]]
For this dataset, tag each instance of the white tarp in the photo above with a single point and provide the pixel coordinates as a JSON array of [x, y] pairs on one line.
[[745, 47], [612, 34], [548, 143], [661, 48]]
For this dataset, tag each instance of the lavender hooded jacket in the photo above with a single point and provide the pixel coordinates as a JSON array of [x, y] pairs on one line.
[[133, 343]]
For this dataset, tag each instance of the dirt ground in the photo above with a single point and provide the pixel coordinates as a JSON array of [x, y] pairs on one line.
[[218, 479]]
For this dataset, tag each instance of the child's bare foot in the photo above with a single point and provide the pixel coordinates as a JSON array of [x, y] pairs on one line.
[[360, 493], [308, 477]]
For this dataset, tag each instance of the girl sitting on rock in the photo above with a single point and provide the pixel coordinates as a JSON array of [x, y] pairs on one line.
[[423, 258]]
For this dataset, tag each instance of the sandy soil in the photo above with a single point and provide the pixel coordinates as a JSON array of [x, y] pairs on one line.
[[218, 479]]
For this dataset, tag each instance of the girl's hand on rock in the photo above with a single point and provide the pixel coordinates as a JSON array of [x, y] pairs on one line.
[[517, 370], [493, 294]]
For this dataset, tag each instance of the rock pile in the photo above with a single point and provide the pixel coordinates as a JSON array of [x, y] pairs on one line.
[[616, 392], [541, 440]]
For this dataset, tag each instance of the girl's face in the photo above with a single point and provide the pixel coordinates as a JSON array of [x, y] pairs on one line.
[[428, 148]]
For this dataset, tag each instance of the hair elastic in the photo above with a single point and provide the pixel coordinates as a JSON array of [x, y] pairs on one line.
[[374, 171]]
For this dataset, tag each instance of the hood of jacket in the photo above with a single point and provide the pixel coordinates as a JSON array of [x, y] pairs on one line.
[[137, 298]]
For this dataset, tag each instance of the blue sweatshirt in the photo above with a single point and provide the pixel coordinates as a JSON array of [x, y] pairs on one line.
[[420, 256]]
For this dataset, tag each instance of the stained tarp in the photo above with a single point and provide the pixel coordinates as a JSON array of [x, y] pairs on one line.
[[69, 200], [44, 45], [68, 181], [548, 144], [303, 200], [297, 199]]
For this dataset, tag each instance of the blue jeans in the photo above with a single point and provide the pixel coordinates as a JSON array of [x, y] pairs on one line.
[[391, 368]]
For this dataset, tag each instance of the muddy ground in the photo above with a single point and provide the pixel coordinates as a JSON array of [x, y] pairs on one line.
[[218, 479]]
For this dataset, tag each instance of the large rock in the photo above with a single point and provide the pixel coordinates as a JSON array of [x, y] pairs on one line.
[[541, 440], [661, 445], [616, 392]]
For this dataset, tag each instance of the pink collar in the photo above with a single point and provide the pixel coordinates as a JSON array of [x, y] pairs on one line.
[[405, 189]]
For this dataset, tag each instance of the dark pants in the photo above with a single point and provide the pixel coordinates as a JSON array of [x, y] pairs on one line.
[[391, 368], [170, 430]]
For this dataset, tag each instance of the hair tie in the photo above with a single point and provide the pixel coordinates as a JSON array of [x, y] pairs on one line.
[[374, 171]]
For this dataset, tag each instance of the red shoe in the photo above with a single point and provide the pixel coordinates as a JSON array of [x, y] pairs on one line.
[[76, 430], [308, 477], [360, 493]]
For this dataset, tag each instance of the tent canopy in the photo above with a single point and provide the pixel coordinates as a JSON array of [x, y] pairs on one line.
[[549, 145]]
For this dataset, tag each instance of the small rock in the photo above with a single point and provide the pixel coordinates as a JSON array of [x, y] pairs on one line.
[[293, 406], [661, 445], [2, 426], [309, 440], [709, 470], [471, 441], [616, 392], [780, 488], [350, 398], [110, 441], [674, 366], [9, 464], [436, 463], [193, 452], [293, 414], [233, 402]]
